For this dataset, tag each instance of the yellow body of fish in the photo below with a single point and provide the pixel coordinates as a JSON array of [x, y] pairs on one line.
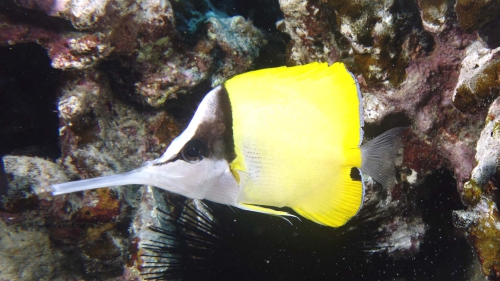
[[297, 132]]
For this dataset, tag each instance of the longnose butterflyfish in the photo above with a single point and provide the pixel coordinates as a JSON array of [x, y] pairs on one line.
[[272, 138]]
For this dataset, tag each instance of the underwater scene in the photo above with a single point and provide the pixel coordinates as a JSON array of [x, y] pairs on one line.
[[249, 140]]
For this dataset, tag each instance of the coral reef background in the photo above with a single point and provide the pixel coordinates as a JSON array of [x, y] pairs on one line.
[[94, 87]]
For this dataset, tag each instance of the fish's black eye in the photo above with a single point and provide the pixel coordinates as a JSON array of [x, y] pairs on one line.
[[193, 151]]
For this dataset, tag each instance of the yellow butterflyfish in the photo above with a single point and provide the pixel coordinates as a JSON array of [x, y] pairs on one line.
[[277, 137]]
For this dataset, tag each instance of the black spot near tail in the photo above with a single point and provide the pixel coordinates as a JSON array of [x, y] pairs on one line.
[[355, 174]]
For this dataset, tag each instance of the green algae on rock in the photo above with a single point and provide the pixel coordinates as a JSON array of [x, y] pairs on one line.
[[481, 225], [472, 14], [479, 81]]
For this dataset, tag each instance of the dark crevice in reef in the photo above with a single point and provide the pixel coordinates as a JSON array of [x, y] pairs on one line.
[[410, 24], [273, 54], [263, 13], [34, 17], [121, 78], [398, 119], [28, 84], [443, 255], [184, 106]]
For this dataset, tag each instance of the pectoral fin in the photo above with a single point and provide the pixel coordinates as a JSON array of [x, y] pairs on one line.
[[245, 182]]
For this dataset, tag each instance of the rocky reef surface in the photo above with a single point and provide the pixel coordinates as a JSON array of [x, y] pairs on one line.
[[90, 88]]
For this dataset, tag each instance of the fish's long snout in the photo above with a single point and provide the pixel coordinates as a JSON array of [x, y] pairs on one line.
[[177, 177], [132, 177]]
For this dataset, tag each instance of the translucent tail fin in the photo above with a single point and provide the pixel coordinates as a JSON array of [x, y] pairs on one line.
[[378, 156]]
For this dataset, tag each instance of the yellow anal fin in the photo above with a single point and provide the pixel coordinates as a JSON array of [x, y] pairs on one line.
[[336, 204]]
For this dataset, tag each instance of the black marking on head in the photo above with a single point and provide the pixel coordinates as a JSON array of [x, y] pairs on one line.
[[217, 134]]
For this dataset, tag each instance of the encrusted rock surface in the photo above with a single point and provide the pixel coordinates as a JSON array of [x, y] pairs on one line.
[[144, 34], [481, 220], [471, 15], [134, 70], [17, 263], [309, 25], [479, 82]]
